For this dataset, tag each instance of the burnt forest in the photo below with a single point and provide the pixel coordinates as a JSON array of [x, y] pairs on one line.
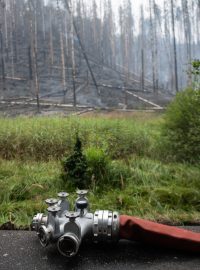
[[95, 54]]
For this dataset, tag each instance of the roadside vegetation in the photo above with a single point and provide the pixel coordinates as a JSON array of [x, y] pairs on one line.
[[128, 167], [181, 129], [48, 138]]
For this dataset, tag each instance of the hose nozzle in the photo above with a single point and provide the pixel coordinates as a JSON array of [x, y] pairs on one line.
[[68, 245]]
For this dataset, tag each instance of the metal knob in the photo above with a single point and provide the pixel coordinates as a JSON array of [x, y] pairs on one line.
[[53, 209], [51, 201], [82, 193], [72, 216], [63, 195], [81, 204]]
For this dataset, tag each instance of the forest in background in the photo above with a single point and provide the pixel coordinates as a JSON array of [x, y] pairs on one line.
[[65, 45]]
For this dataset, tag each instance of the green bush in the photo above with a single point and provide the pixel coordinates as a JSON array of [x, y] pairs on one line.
[[103, 172], [93, 169], [196, 73], [75, 167], [98, 162], [182, 127]]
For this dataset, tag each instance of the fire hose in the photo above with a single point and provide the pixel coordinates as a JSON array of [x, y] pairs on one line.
[[69, 228]]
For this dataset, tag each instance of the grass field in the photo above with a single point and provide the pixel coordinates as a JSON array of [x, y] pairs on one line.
[[138, 180], [51, 138]]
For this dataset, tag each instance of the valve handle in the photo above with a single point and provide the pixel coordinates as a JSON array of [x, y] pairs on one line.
[[82, 193], [72, 215], [63, 195], [81, 204], [54, 209], [51, 201]]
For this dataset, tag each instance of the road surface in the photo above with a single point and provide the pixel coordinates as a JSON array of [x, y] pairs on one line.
[[21, 250]]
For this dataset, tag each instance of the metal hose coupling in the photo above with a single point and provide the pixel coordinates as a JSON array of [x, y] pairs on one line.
[[105, 226], [69, 228]]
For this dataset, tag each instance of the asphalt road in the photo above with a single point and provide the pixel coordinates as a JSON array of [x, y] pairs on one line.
[[21, 250]]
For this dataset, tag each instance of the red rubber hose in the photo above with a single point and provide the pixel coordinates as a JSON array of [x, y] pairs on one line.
[[151, 233]]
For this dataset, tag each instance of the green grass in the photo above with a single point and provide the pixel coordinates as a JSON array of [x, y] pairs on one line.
[[146, 188], [137, 180], [50, 138]]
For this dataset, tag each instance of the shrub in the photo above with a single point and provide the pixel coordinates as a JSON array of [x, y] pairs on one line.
[[75, 166], [98, 162], [93, 169], [196, 73], [182, 126]]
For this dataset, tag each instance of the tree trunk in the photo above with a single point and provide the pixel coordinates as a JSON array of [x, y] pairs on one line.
[[72, 54], [62, 55], [152, 48], [142, 48], [2, 56], [33, 28], [51, 46], [174, 47], [187, 28]]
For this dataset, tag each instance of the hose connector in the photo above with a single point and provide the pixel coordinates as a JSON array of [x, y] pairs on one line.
[[69, 228], [68, 245], [44, 235], [38, 220], [106, 226]]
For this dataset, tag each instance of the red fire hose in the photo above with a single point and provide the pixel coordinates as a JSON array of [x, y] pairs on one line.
[[151, 233]]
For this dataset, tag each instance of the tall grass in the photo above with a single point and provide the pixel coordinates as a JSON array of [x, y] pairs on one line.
[[51, 138]]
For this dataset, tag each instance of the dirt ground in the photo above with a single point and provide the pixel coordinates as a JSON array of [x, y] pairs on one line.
[[86, 97]]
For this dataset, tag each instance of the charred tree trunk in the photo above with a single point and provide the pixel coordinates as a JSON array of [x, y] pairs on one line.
[[73, 56], [142, 48], [174, 47], [187, 29], [34, 46], [152, 47], [51, 46], [30, 63], [2, 57], [62, 54], [82, 48]]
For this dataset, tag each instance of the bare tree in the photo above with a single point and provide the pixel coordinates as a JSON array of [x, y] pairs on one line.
[[72, 52], [62, 54], [153, 54], [2, 57], [142, 46], [187, 31], [126, 36], [51, 46], [34, 48], [174, 47]]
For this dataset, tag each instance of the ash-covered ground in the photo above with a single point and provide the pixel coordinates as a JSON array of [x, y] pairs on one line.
[[115, 91]]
